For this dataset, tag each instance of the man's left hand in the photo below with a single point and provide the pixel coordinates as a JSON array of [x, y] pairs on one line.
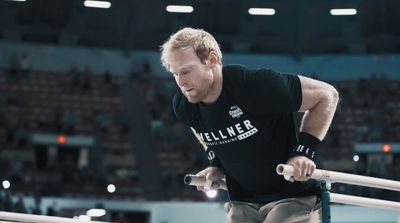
[[303, 168]]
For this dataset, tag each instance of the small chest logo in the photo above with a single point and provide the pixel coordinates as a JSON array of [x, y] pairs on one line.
[[211, 155], [235, 111]]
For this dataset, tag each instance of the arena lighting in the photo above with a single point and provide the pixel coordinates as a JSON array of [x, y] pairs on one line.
[[211, 193], [261, 11], [61, 139], [16, 0], [97, 4], [179, 8], [95, 212], [356, 158], [111, 188], [386, 148], [343, 11], [6, 184]]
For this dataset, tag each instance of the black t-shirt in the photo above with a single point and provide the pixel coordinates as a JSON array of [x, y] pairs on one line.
[[250, 129]]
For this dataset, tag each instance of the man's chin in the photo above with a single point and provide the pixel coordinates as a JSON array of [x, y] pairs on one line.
[[193, 100]]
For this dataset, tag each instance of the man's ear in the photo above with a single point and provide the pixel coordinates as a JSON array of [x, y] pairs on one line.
[[212, 59]]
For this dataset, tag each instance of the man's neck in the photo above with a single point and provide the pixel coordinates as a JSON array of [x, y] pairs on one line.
[[216, 88]]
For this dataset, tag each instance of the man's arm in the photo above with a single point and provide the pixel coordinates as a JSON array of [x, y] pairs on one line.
[[213, 173], [319, 104]]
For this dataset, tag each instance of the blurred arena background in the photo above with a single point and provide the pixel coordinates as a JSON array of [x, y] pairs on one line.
[[85, 107]]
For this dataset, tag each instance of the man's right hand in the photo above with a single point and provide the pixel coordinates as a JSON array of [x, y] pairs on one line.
[[213, 174]]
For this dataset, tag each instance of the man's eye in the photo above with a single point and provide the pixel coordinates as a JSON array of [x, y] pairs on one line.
[[186, 71]]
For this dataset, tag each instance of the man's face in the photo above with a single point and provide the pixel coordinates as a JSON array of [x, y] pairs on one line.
[[194, 78]]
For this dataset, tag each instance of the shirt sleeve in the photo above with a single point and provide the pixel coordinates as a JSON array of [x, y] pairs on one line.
[[268, 91]]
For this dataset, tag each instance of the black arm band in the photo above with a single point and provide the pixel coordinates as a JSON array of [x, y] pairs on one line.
[[306, 146], [213, 159]]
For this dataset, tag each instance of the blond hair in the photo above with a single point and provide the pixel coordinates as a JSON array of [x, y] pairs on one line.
[[201, 41]]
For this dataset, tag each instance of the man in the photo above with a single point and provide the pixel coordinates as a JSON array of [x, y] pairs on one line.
[[244, 119]]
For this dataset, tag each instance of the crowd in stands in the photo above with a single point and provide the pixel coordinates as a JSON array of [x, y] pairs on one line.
[[82, 103], [77, 103]]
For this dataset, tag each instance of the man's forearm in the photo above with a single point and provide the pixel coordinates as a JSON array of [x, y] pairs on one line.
[[316, 121]]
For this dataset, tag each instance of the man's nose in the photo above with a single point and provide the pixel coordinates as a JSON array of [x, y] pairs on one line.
[[180, 80]]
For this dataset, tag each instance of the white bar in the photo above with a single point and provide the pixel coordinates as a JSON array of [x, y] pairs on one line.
[[10, 216], [97, 4], [321, 175], [96, 212], [345, 178], [365, 202], [261, 11], [195, 180], [179, 8], [343, 11]]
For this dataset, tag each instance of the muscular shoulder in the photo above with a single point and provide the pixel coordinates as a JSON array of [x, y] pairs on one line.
[[242, 76], [270, 91], [234, 74]]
